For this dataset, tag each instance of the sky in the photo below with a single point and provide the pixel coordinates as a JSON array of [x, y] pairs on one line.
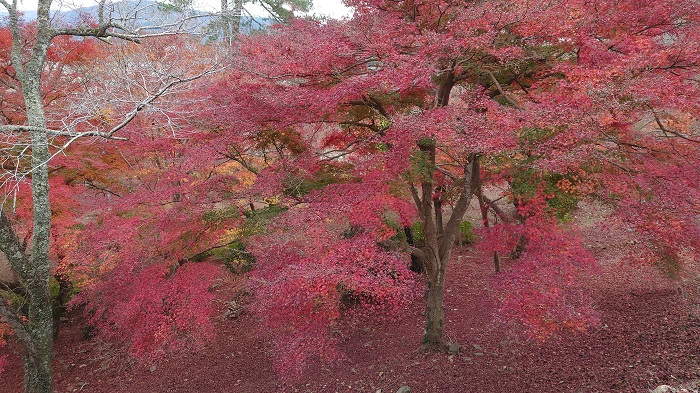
[[330, 8]]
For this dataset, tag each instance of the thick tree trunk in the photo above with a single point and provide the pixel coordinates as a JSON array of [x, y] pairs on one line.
[[38, 371], [35, 270]]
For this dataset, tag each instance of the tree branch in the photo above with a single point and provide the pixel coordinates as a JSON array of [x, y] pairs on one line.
[[497, 209], [503, 93], [416, 199], [9, 315], [666, 130], [417, 252], [12, 247], [471, 180]]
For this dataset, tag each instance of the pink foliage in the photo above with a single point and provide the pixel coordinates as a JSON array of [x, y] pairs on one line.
[[345, 102], [161, 310], [310, 283], [542, 291]]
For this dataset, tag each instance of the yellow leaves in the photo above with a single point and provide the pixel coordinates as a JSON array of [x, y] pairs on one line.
[[229, 168], [104, 115], [244, 176], [577, 184], [273, 200], [232, 234]]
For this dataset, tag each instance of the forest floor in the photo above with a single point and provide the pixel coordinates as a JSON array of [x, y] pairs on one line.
[[649, 335]]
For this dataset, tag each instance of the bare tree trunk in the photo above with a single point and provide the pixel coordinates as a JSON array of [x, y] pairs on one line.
[[231, 20]]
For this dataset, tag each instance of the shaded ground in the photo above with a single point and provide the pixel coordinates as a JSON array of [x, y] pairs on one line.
[[649, 335]]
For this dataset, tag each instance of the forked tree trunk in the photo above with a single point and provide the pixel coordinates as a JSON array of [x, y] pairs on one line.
[[439, 238]]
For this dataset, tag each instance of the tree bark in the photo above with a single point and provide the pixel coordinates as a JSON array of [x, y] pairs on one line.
[[434, 307]]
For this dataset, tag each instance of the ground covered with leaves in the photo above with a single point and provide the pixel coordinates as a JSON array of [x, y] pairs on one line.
[[648, 336]]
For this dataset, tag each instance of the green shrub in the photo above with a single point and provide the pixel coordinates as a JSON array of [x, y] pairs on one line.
[[466, 232], [417, 230], [256, 220], [527, 183], [234, 257], [16, 300]]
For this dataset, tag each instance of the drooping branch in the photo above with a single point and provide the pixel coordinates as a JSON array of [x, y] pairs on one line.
[[9, 315], [500, 89]]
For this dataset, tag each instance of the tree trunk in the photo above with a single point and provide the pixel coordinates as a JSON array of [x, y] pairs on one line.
[[231, 19], [35, 270], [434, 309], [36, 276], [439, 238]]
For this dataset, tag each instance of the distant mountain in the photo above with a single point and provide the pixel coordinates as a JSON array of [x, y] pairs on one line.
[[139, 13]]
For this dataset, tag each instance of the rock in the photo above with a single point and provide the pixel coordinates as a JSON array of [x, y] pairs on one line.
[[235, 309], [404, 389], [453, 349], [664, 389], [153, 368]]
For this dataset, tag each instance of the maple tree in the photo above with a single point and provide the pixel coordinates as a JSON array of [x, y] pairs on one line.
[[413, 107]]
